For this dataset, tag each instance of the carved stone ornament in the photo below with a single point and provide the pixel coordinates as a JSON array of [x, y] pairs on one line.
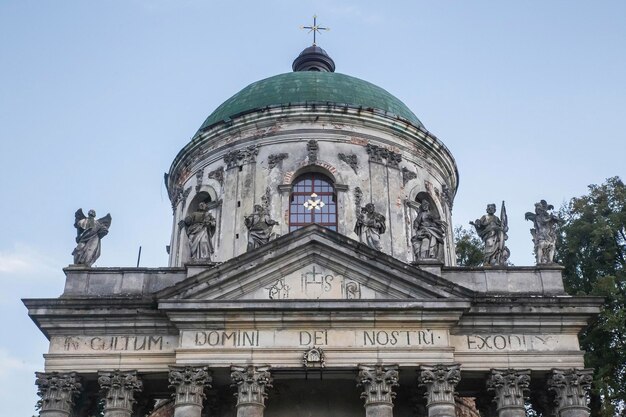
[[189, 383], [275, 159], [350, 159], [378, 383], [251, 383], [314, 356], [407, 175], [57, 391], [358, 198], [510, 387], [545, 231], [119, 390], [570, 388], [241, 157], [312, 148], [440, 382], [199, 178], [446, 194], [384, 156], [217, 175]]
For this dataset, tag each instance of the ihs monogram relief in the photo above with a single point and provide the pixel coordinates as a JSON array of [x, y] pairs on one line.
[[314, 283]]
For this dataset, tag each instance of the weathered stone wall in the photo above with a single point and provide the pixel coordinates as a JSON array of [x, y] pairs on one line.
[[260, 155]]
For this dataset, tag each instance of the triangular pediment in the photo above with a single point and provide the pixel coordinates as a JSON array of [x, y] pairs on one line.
[[314, 263]]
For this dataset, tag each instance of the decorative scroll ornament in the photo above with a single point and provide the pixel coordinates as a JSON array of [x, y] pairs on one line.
[[358, 197], [350, 159], [217, 175], [313, 203], [383, 156], [241, 157], [378, 382], [312, 148], [251, 383], [275, 159], [570, 387], [510, 387], [119, 389], [446, 194], [314, 356], [407, 175], [57, 391], [189, 384], [440, 382]]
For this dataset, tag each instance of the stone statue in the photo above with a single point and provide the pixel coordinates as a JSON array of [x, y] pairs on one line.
[[429, 233], [259, 226], [200, 228], [544, 232], [492, 230], [372, 224], [89, 232]]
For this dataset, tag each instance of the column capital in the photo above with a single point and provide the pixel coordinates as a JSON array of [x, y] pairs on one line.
[[378, 382], [510, 387], [440, 382], [189, 383], [119, 389], [570, 387], [57, 391], [251, 383]]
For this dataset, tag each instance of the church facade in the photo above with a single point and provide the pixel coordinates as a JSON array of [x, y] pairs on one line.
[[312, 271]]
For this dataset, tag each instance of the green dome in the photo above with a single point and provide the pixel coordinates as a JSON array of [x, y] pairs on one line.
[[310, 87]]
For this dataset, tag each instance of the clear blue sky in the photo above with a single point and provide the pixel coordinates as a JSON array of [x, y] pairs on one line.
[[97, 97]]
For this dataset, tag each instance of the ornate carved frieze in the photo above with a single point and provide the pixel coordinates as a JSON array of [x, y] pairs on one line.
[[439, 382], [510, 387], [119, 389], [251, 383], [378, 382], [570, 387], [407, 175], [57, 391], [350, 159], [199, 177], [217, 175], [275, 159], [384, 156], [312, 148], [189, 383], [241, 157]]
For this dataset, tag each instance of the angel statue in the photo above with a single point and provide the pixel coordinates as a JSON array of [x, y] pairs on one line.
[[372, 224], [544, 232], [89, 232], [492, 230]]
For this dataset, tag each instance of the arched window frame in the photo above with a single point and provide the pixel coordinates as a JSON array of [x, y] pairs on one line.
[[302, 190]]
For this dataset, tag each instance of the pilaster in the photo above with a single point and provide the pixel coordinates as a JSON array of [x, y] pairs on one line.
[[570, 387], [189, 383], [119, 390], [58, 392], [251, 383], [440, 382], [378, 382], [510, 388]]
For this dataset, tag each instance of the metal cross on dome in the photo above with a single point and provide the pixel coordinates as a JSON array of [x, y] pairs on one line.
[[313, 203], [315, 29]]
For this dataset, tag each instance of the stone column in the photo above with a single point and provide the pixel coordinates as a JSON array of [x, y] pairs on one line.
[[570, 387], [189, 383], [378, 383], [119, 390], [57, 392], [440, 382], [510, 388], [251, 383]]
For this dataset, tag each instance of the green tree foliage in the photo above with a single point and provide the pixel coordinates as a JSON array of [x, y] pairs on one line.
[[593, 252], [469, 247]]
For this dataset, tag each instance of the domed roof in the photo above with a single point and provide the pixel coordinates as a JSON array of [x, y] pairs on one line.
[[310, 87]]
